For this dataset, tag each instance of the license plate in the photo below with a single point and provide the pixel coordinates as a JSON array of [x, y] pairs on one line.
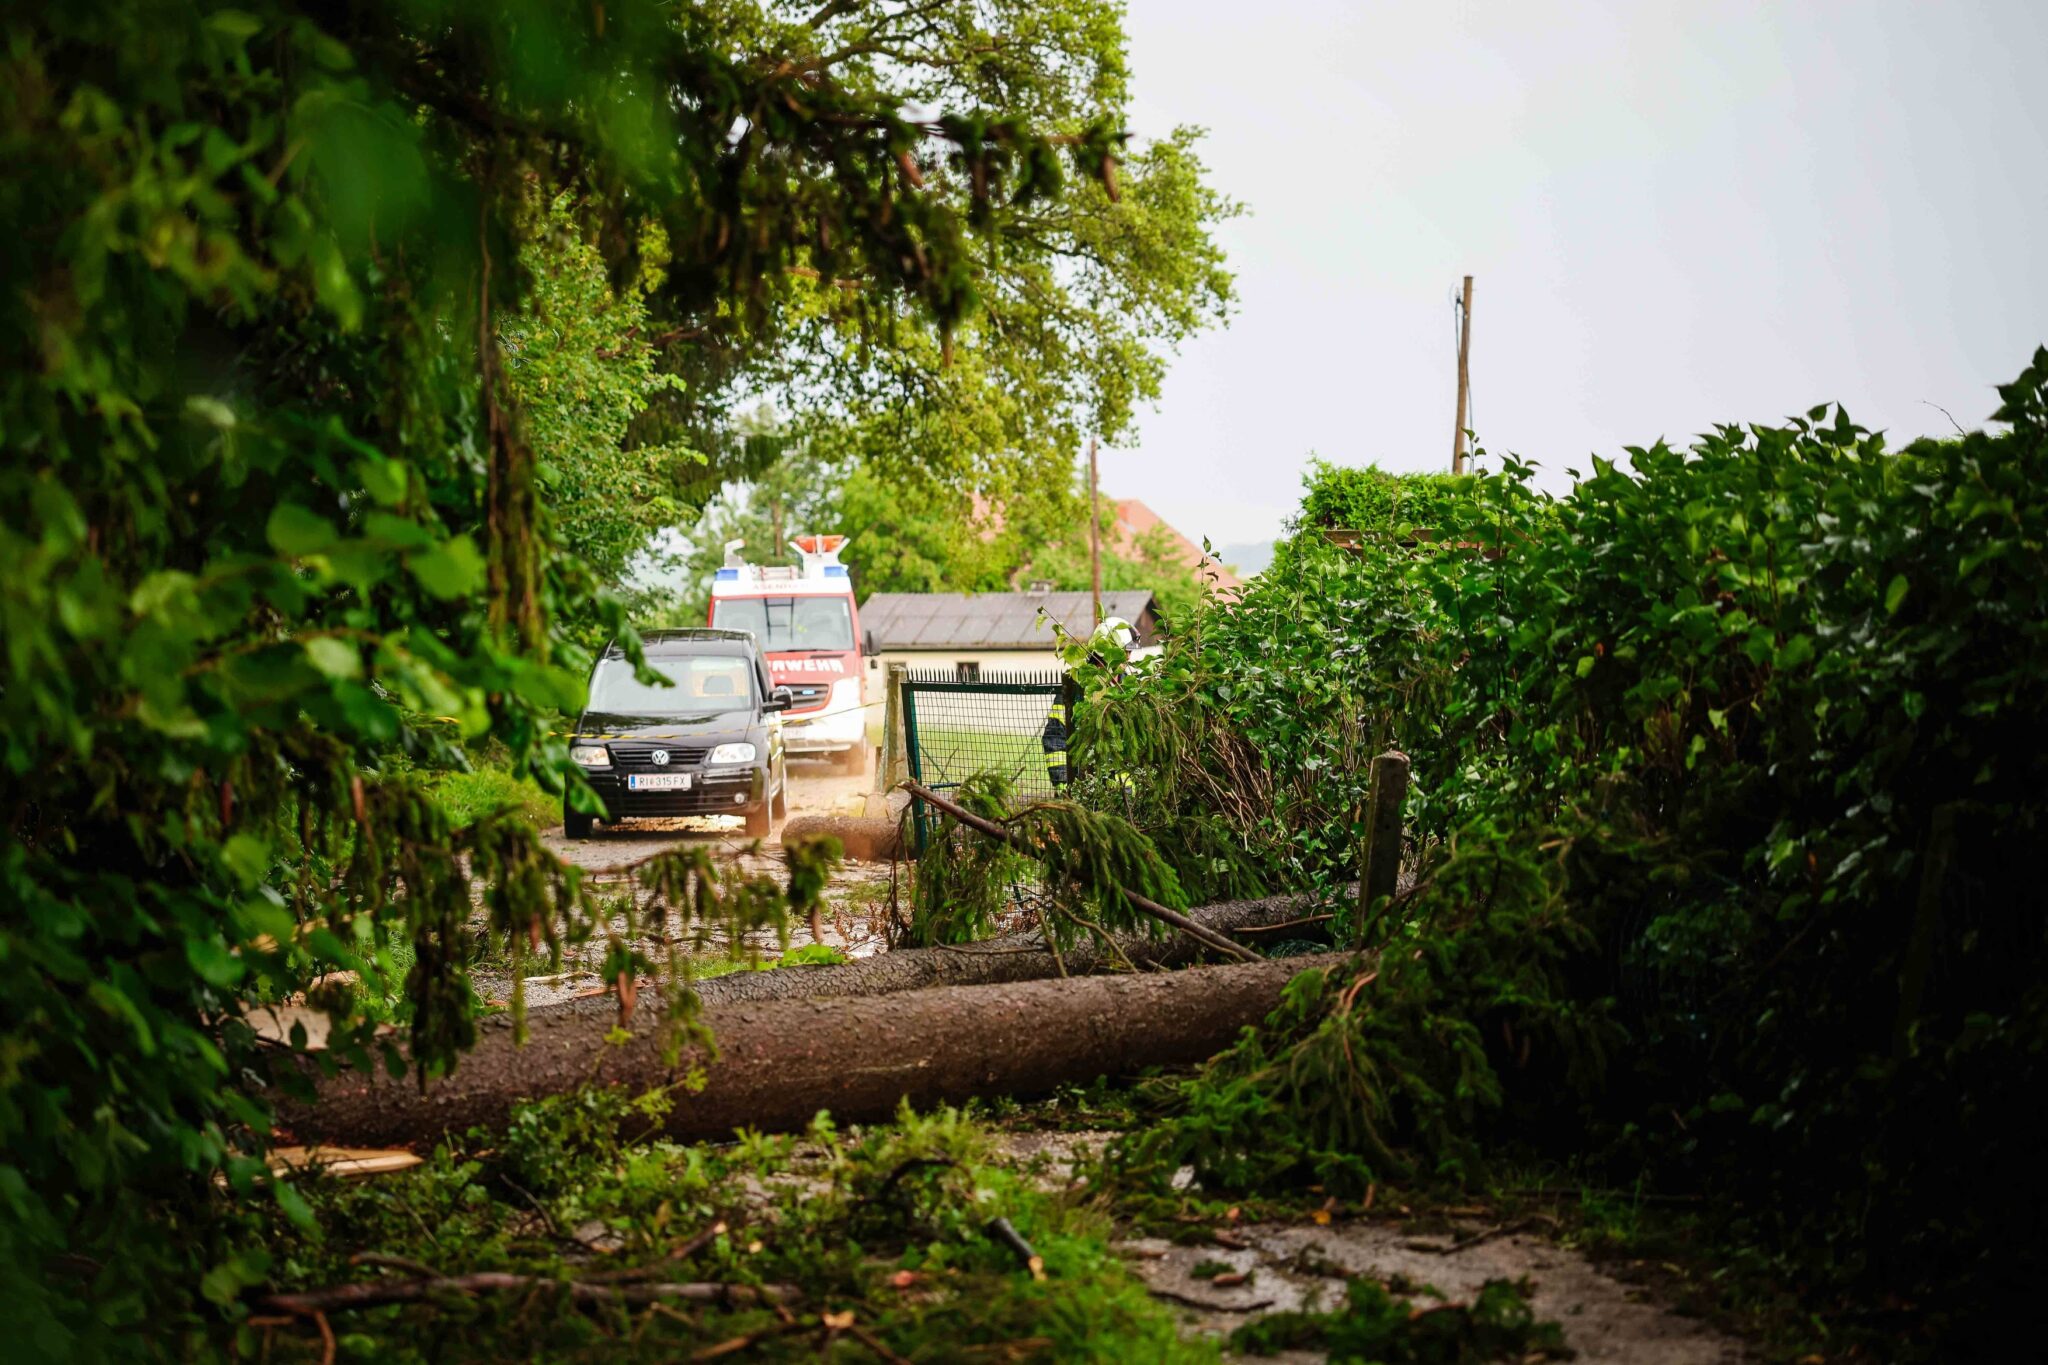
[[657, 782]]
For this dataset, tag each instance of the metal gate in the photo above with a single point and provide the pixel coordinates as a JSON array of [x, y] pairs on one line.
[[955, 727]]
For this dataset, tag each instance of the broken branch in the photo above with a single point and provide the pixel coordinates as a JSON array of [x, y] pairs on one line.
[[1144, 905], [375, 1293]]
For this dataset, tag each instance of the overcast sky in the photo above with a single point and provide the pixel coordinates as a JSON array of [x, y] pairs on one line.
[[1676, 214]]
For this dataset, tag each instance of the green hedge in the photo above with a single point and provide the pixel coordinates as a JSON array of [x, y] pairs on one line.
[[1770, 719]]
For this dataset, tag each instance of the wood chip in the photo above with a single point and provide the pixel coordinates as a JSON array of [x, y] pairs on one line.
[[342, 1162]]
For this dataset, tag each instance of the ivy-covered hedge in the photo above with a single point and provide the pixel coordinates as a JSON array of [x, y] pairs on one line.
[[1770, 717]]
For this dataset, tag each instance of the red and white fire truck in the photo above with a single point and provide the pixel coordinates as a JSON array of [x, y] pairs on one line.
[[805, 619]]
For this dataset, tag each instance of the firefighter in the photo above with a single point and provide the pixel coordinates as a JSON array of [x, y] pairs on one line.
[[1053, 739]]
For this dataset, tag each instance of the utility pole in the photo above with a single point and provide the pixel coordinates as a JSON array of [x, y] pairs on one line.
[[1095, 531], [1464, 377]]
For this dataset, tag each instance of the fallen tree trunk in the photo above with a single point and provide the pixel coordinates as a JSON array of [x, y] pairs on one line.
[[780, 1062], [1014, 957]]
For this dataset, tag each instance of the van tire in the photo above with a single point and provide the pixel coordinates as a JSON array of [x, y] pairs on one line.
[[576, 824]]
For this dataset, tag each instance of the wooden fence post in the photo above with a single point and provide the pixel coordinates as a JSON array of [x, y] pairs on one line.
[[893, 767], [1380, 866]]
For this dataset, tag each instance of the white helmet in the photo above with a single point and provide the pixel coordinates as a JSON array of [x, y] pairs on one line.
[[1116, 633]]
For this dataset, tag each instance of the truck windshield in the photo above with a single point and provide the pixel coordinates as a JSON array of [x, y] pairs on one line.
[[700, 685], [784, 624]]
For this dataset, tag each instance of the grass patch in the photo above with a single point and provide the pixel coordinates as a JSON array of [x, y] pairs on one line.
[[468, 797], [948, 754]]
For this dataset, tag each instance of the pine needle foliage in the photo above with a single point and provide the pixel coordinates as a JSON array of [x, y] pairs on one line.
[[1390, 1067], [1076, 857]]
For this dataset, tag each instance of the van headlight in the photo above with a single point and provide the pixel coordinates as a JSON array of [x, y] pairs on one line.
[[732, 753], [846, 693], [591, 755]]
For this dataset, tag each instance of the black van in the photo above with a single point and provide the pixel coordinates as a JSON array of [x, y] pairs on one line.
[[708, 742]]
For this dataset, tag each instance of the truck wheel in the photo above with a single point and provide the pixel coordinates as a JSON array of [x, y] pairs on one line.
[[575, 823], [761, 821]]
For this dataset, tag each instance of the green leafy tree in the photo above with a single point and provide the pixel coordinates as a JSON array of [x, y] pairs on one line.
[[582, 365], [272, 511], [1079, 301], [910, 534]]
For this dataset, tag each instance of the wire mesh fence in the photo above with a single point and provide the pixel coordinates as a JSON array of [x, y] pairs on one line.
[[1014, 726]]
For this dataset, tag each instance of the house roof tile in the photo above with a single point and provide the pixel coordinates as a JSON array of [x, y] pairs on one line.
[[989, 620]]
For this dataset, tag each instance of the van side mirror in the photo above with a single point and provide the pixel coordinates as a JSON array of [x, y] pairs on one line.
[[779, 699]]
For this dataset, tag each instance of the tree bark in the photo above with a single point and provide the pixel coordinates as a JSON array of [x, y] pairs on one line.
[[780, 1062], [1014, 957]]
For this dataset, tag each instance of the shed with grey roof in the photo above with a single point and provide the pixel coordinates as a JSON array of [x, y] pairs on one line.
[[970, 634]]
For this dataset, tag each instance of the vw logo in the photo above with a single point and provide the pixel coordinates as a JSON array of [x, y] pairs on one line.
[[660, 757]]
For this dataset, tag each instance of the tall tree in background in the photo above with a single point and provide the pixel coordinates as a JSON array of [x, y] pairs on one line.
[[1080, 301]]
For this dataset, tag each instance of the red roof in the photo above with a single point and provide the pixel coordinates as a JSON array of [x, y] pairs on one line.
[[1134, 520]]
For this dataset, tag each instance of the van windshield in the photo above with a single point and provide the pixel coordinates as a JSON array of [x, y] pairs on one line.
[[784, 624], [700, 685]]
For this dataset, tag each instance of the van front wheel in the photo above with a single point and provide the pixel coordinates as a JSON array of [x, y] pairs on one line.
[[576, 823]]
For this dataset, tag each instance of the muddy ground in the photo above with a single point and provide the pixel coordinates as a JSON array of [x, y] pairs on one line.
[[1606, 1319], [853, 898]]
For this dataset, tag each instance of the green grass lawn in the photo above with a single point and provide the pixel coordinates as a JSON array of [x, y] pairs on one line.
[[949, 755], [467, 797]]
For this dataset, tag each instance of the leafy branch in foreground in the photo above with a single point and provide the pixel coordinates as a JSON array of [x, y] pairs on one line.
[[273, 511], [891, 1229], [1388, 1068]]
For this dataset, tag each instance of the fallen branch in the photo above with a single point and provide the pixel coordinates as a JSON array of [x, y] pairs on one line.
[[376, 1293], [1144, 905], [1488, 1235], [1004, 1231], [648, 1272], [736, 1344], [1206, 1305], [1283, 924]]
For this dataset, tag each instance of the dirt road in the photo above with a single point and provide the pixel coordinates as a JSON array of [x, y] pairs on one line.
[[852, 897]]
